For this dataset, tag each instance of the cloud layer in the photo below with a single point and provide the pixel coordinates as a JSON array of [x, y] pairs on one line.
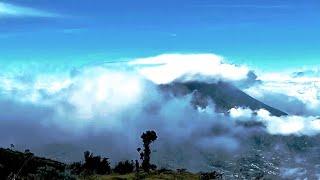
[[299, 95], [285, 125], [105, 108], [166, 68]]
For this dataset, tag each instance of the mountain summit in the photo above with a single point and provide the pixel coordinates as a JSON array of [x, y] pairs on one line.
[[224, 95]]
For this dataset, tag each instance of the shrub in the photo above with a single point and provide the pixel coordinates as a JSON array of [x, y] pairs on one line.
[[96, 164], [92, 165], [165, 170], [181, 170], [76, 168], [47, 172], [124, 167], [211, 175]]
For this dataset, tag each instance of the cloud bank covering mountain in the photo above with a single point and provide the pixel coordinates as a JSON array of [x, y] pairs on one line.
[[105, 107], [102, 90]]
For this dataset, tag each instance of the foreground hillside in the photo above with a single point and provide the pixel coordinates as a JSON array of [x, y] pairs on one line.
[[269, 157], [19, 165], [151, 176], [14, 164]]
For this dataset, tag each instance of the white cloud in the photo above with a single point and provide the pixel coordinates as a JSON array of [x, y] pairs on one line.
[[286, 125], [20, 11], [98, 90], [94, 91], [296, 95], [288, 92], [240, 113], [169, 67]]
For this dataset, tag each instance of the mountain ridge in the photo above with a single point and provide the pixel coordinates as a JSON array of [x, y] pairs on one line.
[[224, 95]]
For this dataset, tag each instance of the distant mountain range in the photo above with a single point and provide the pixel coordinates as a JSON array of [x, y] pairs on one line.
[[224, 95]]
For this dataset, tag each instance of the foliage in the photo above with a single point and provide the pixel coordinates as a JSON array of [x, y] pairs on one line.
[[181, 170], [19, 164], [148, 137], [92, 165], [165, 170], [48, 172], [124, 167], [155, 175], [211, 175], [96, 164], [76, 168]]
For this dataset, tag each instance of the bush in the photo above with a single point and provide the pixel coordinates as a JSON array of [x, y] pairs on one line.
[[124, 167], [165, 170], [181, 170], [15, 163], [52, 173], [92, 165], [211, 175], [96, 164], [76, 168]]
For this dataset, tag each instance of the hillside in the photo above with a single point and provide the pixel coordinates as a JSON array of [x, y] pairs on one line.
[[19, 163], [224, 95]]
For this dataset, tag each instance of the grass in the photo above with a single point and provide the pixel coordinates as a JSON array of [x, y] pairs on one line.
[[150, 176]]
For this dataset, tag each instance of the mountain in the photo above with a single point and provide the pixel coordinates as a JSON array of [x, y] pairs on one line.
[[224, 95]]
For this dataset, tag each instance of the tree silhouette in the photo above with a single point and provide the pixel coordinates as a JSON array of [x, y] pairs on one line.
[[96, 164], [137, 166], [124, 167], [147, 137]]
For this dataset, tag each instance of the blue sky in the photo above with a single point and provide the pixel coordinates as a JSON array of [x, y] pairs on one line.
[[265, 34]]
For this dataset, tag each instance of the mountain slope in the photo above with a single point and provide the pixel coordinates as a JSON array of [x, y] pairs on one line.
[[224, 95]]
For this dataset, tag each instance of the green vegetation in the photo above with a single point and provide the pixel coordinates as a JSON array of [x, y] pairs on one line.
[[125, 167], [24, 166], [150, 176], [16, 164]]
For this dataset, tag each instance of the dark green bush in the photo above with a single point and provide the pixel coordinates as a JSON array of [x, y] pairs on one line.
[[124, 167]]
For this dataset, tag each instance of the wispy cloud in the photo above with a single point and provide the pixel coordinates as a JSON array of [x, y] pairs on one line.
[[10, 10]]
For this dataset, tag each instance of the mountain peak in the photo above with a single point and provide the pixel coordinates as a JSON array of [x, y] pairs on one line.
[[224, 95]]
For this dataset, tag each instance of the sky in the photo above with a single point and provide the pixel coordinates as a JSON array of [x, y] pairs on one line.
[[268, 35]]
